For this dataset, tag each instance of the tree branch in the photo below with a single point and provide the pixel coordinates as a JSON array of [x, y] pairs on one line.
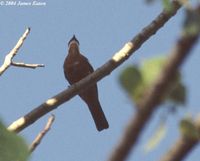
[[182, 147], [32, 66], [8, 61], [100, 73], [41, 135], [13, 52], [153, 97], [184, 144]]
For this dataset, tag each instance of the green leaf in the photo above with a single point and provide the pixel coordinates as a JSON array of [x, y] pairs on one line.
[[178, 94], [191, 23], [137, 80], [130, 78], [151, 68], [167, 5], [156, 138], [12, 146], [188, 128]]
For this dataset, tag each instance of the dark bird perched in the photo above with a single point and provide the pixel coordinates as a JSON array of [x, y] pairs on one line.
[[76, 67]]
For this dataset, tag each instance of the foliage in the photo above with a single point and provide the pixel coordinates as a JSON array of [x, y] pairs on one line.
[[191, 23], [188, 128], [136, 80], [12, 146], [157, 136]]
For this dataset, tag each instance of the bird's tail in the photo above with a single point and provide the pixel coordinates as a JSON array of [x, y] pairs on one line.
[[98, 116]]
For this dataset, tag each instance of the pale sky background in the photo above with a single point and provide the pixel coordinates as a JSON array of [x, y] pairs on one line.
[[102, 28]]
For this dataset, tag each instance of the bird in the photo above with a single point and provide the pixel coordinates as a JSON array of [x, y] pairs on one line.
[[76, 67]]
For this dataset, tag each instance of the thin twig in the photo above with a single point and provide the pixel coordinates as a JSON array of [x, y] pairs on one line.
[[41, 135], [32, 66], [13, 52], [100, 73]]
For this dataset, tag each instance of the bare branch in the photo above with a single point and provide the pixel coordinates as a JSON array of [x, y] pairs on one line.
[[180, 150], [13, 52], [100, 73], [41, 135], [32, 66], [181, 147]]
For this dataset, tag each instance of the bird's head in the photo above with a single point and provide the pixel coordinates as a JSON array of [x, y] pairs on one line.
[[73, 42], [73, 46]]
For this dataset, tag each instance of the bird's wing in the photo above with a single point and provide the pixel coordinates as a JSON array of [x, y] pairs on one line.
[[90, 68]]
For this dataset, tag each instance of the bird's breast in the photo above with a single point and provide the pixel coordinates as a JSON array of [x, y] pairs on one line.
[[76, 68], [75, 63]]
